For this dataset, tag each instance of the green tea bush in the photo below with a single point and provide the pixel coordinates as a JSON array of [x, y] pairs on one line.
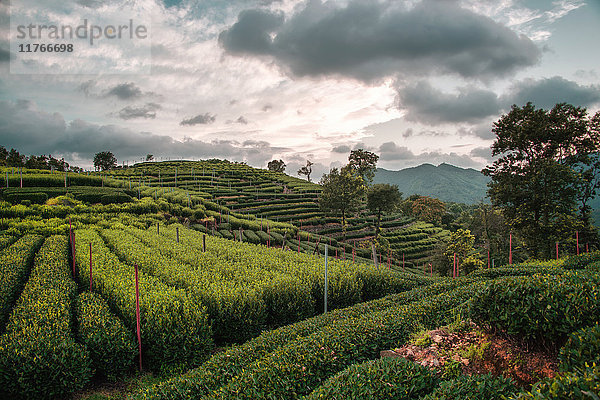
[[581, 261], [224, 366], [37, 198], [386, 378], [287, 301], [541, 307], [39, 358], [475, 387], [176, 333], [522, 270], [298, 367], [15, 264], [581, 384], [583, 346], [111, 346], [6, 240]]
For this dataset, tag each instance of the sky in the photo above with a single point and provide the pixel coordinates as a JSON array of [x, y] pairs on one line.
[[412, 81]]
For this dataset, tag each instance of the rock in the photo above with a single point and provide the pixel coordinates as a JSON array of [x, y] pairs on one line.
[[389, 353]]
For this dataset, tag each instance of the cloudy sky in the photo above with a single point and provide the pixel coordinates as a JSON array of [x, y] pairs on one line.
[[413, 81]]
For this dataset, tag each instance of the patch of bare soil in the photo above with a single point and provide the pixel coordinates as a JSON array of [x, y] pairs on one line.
[[471, 350]]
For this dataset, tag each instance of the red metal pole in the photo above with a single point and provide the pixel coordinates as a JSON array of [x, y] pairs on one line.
[[454, 267], [137, 314], [90, 266], [557, 250], [73, 252], [510, 249]]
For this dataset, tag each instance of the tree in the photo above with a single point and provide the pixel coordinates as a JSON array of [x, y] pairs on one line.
[[461, 243], [105, 160], [306, 170], [541, 170], [381, 198], [15, 159], [276, 166], [342, 192], [3, 155], [363, 163], [429, 209], [149, 157]]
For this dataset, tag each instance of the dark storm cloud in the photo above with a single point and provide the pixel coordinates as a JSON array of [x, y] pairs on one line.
[[401, 155], [483, 152], [545, 93], [36, 132], [202, 119], [430, 106], [251, 33], [342, 149], [125, 91], [369, 40], [390, 151], [4, 55], [147, 111]]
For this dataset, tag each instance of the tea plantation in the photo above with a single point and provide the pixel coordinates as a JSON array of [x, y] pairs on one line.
[[215, 271]]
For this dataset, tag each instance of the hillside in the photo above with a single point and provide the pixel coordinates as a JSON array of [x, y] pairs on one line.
[[155, 267], [445, 182], [448, 183]]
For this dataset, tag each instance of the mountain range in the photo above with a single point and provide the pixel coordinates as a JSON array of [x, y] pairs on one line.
[[447, 183]]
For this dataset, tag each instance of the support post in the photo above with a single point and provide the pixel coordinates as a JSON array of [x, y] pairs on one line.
[[325, 291]]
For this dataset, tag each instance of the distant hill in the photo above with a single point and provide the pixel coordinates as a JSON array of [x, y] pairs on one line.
[[448, 183], [445, 182]]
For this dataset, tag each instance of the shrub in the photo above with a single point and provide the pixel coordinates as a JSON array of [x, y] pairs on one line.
[[15, 264], [299, 366], [386, 378], [110, 344], [581, 261], [116, 198], [175, 329], [541, 307], [581, 384], [582, 347], [37, 198], [226, 365], [475, 387], [251, 237], [39, 357], [287, 301]]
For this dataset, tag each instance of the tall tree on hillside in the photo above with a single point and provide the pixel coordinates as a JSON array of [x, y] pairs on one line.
[[461, 244], [3, 155], [541, 170], [428, 209], [382, 198], [149, 157], [342, 192], [276, 166], [15, 159], [363, 163], [306, 170], [105, 160]]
